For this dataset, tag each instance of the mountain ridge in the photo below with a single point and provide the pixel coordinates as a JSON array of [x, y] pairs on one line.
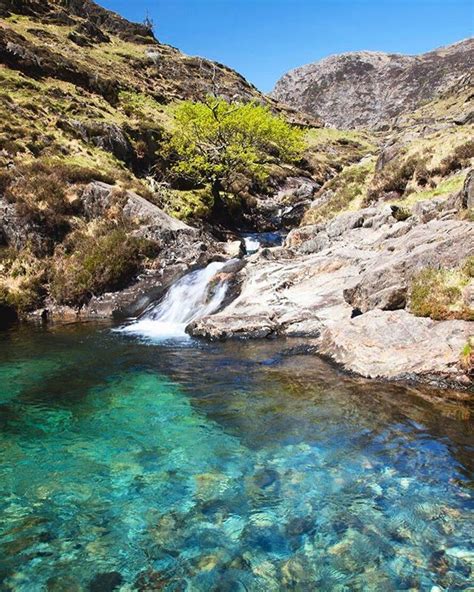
[[371, 88]]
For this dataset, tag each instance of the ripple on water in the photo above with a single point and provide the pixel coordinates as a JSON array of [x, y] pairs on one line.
[[174, 468]]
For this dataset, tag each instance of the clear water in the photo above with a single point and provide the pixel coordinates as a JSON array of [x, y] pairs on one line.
[[256, 240], [224, 467]]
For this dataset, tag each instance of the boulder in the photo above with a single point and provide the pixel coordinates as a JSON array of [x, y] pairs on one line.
[[235, 249], [108, 136], [467, 194], [20, 233], [98, 197], [397, 345]]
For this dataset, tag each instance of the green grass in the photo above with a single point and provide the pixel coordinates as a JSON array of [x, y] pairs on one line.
[[325, 135]]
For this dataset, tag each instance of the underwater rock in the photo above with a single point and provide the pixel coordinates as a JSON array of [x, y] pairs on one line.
[[150, 581], [105, 582], [61, 584], [300, 525], [265, 478]]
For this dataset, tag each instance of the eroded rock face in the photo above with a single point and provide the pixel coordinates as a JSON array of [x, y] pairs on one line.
[[344, 284], [367, 89]]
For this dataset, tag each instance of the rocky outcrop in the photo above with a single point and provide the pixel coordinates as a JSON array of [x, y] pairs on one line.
[[108, 136], [368, 89], [345, 284], [97, 198], [396, 345]]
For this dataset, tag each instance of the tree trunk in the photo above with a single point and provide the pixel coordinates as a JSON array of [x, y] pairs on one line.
[[219, 209]]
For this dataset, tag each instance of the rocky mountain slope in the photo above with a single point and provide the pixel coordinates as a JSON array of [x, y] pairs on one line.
[[87, 97], [369, 89]]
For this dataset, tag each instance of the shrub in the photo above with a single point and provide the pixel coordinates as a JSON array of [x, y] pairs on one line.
[[349, 186], [23, 288], [468, 267], [99, 264], [459, 159], [467, 357], [438, 293], [39, 189], [394, 178]]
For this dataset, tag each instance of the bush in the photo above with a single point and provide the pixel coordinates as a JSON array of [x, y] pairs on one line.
[[394, 178], [39, 190], [459, 159], [99, 264], [25, 290], [468, 267], [347, 187], [467, 358], [438, 293]]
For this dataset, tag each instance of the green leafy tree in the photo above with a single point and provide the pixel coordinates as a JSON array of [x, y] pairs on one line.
[[214, 142]]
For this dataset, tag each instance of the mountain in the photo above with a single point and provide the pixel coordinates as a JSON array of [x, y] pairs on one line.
[[370, 89]]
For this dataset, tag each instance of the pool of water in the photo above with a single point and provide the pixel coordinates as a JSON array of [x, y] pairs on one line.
[[129, 465]]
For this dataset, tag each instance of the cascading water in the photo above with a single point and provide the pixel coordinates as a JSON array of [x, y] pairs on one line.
[[251, 245], [190, 298]]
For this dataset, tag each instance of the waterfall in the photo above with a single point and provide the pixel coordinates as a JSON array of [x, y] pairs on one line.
[[251, 244], [190, 298]]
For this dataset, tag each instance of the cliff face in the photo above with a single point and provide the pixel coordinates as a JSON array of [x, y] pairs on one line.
[[369, 89]]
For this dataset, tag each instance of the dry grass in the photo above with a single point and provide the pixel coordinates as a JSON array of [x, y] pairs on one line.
[[439, 293]]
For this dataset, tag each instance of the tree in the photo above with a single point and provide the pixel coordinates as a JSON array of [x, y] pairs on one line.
[[215, 141]]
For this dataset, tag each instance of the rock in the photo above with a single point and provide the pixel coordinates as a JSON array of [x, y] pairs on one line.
[[265, 478], [468, 295], [465, 118], [129, 302], [98, 197], [105, 582], [233, 266], [60, 584], [382, 344], [368, 88], [20, 233], [387, 154], [150, 581], [141, 211], [385, 284], [108, 136], [467, 194], [236, 327], [87, 33], [235, 249]]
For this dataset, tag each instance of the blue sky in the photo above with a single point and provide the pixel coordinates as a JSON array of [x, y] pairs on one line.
[[262, 39]]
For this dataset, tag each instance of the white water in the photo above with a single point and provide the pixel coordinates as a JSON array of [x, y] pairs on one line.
[[190, 298], [251, 245]]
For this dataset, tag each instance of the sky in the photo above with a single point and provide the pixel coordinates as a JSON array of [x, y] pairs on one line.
[[262, 39]]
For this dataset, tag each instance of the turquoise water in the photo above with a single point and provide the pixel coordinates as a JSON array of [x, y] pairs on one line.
[[223, 467]]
